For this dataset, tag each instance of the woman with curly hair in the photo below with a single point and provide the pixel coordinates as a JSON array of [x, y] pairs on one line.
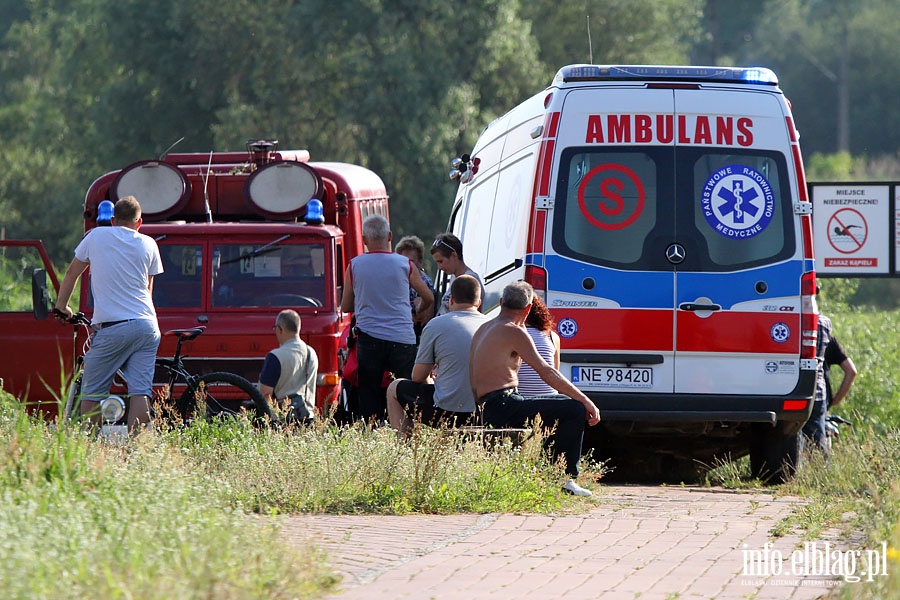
[[540, 327]]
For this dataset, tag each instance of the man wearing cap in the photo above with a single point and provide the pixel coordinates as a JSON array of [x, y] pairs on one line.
[[123, 263]]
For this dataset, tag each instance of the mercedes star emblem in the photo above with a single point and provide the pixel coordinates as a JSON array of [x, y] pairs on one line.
[[675, 253]]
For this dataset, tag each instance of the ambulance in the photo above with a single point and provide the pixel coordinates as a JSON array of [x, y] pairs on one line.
[[662, 214]]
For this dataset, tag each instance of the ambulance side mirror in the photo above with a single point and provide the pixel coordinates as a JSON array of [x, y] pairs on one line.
[[40, 299]]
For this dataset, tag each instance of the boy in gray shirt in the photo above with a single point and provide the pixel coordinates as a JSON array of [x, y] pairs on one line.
[[446, 397]]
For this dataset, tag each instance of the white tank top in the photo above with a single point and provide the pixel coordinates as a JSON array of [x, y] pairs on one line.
[[530, 383]]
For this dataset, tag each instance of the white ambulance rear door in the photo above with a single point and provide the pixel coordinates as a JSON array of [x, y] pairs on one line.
[[738, 262], [609, 285]]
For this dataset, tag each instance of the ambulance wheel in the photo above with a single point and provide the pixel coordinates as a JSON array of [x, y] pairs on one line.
[[774, 454]]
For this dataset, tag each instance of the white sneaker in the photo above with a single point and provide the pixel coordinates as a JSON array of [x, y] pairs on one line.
[[575, 489]]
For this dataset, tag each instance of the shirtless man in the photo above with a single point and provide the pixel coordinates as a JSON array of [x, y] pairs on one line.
[[498, 348]]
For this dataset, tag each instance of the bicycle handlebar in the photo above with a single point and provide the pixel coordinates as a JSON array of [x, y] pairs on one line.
[[76, 319]]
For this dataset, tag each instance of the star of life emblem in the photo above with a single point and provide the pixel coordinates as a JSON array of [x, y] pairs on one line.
[[738, 202]]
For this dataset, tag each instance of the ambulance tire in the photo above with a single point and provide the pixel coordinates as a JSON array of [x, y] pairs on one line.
[[774, 455]]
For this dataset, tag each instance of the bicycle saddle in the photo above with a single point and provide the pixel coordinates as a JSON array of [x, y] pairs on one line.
[[187, 334]]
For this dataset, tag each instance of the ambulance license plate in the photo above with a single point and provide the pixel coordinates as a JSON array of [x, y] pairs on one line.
[[602, 376]]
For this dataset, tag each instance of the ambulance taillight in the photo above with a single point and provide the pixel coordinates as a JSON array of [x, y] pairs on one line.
[[537, 277], [809, 316]]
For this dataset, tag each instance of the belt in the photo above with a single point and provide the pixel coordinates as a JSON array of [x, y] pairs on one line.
[[111, 323], [498, 394]]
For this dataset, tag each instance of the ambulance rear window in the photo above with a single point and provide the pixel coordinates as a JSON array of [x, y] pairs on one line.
[[728, 209], [610, 204], [742, 209]]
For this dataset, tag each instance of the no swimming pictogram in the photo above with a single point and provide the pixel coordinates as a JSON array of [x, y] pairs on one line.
[[847, 230], [611, 196]]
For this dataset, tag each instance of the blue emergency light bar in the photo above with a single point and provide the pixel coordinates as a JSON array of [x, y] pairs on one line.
[[760, 75]]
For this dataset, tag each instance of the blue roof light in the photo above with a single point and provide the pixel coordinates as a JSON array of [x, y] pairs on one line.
[[105, 212], [314, 215], [758, 75]]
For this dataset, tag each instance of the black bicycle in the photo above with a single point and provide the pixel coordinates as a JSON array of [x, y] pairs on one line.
[[208, 395]]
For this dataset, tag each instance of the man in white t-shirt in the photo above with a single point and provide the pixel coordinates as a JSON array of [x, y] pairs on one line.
[[123, 263], [446, 339]]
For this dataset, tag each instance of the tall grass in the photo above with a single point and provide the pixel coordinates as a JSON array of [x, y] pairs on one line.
[[357, 469], [167, 514], [870, 339], [82, 519], [859, 487]]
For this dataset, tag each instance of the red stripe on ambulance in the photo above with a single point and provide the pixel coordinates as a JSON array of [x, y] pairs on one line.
[[737, 332], [618, 329]]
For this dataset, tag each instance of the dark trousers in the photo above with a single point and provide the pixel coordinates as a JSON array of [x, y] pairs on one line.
[[505, 408], [375, 357], [814, 429]]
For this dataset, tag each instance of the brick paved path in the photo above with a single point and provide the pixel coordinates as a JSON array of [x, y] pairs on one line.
[[638, 542]]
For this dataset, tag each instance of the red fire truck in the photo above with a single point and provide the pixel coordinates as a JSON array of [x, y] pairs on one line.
[[243, 235]]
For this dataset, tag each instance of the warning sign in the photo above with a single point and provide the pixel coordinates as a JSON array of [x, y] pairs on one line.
[[851, 229]]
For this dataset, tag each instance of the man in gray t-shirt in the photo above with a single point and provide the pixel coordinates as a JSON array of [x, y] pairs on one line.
[[446, 339]]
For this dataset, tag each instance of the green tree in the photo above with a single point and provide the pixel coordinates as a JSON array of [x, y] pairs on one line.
[[802, 39], [400, 86], [621, 31], [41, 171], [728, 28], [390, 89]]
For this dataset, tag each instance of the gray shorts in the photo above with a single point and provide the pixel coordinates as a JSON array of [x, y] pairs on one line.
[[130, 346]]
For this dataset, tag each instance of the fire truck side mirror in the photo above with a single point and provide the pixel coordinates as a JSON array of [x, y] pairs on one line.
[[40, 299]]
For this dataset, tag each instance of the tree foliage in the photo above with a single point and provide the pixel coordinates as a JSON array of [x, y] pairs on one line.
[[400, 86]]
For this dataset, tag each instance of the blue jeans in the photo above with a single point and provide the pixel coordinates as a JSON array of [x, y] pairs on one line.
[[376, 356], [506, 408]]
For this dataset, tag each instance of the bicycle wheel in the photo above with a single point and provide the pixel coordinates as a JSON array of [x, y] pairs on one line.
[[222, 394], [71, 409]]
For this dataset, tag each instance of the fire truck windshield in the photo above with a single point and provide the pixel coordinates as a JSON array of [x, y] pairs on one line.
[[242, 275], [288, 275]]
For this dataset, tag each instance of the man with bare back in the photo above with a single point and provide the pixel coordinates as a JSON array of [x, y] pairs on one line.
[[498, 348]]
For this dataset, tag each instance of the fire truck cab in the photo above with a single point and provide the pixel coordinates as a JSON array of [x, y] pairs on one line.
[[242, 235]]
